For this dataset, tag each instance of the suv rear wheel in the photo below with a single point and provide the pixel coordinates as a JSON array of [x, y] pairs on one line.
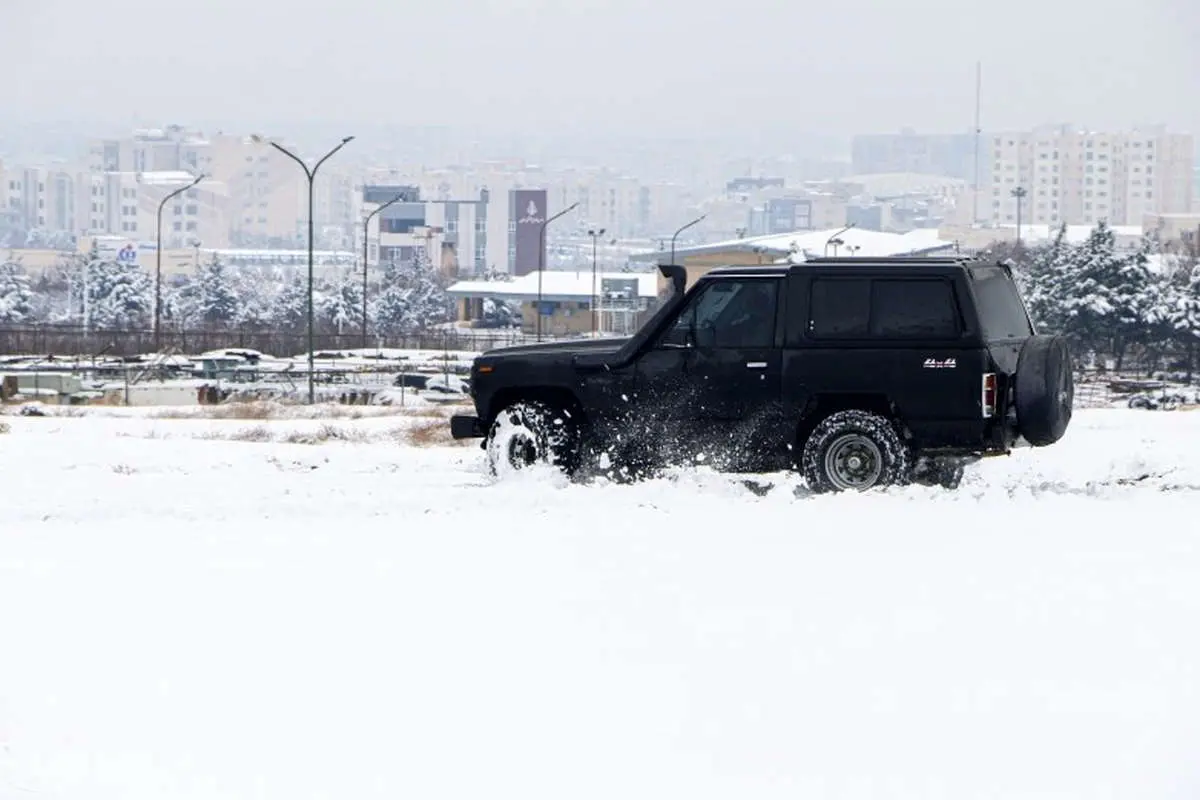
[[854, 450], [526, 433]]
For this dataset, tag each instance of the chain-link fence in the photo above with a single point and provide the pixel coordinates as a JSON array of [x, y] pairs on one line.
[[75, 340]]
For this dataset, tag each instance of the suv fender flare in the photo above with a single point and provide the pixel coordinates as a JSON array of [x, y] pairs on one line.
[[554, 396]]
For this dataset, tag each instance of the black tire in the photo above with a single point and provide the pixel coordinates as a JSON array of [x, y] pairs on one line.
[[528, 433], [854, 451], [1045, 390]]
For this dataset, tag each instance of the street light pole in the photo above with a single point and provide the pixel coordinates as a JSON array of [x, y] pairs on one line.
[[366, 226], [835, 240], [158, 260], [595, 233], [310, 174], [675, 235], [1019, 193], [542, 262]]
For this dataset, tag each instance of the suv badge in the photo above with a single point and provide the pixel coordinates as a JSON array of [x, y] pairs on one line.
[[933, 363]]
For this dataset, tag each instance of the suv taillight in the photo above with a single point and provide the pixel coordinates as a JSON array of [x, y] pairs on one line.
[[988, 395]]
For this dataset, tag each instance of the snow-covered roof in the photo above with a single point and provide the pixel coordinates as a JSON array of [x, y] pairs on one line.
[[855, 240], [556, 285]]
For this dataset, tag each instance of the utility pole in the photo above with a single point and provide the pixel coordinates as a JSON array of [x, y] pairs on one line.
[[542, 262], [681, 229], [978, 134], [311, 175], [595, 233], [366, 226], [835, 240], [158, 260], [1019, 193]]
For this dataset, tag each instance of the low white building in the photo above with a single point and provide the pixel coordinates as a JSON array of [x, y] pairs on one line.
[[566, 300]]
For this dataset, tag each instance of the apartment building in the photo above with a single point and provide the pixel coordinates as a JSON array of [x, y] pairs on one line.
[[267, 191], [472, 192], [449, 233], [38, 198], [126, 204], [1082, 177]]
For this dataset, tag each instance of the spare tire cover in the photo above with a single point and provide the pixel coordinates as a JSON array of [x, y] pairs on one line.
[[1045, 390]]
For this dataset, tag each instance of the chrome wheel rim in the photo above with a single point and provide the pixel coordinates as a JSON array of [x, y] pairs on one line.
[[853, 462]]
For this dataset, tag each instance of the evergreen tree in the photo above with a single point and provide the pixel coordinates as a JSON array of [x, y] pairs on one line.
[[1045, 282], [413, 299], [289, 311], [258, 290], [16, 296], [120, 295], [341, 304], [1179, 306], [1106, 297], [178, 305], [217, 302]]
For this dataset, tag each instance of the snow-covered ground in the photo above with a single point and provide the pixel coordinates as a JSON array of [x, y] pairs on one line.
[[188, 611]]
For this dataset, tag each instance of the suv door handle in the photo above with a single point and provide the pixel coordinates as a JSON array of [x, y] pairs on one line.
[[756, 365]]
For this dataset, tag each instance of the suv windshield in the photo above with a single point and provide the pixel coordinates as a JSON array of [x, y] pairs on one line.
[[1001, 312]]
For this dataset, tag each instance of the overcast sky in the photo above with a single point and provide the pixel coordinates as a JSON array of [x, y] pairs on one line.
[[831, 66]]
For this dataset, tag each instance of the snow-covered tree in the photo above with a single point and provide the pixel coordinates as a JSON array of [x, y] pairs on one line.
[[1043, 281], [215, 296], [16, 295], [1108, 296], [289, 310], [257, 290], [120, 295], [412, 299], [341, 304], [177, 305], [1178, 309]]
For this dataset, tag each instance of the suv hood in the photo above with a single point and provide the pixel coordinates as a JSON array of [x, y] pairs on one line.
[[567, 348]]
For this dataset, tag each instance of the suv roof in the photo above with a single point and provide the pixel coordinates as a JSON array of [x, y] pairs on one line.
[[781, 270]]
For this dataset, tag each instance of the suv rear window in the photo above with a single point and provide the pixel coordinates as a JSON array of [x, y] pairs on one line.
[[1001, 312], [883, 308]]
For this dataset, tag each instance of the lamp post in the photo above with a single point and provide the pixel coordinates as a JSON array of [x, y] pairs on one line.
[[366, 225], [683, 228], [835, 240], [310, 174], [158, 259], [542, 262], [595, 233], [1019, 193]]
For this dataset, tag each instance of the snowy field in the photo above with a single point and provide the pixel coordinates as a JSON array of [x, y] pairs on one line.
[[229, 609]]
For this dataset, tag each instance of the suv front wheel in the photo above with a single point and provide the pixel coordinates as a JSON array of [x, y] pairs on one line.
[[854, 450], [528, 433]]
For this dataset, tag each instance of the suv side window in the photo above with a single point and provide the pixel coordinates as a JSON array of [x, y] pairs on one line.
[[840, 308], [729, 314], [883, 308], [913, 309]]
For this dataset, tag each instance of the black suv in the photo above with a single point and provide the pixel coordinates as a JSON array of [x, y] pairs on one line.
[[859, 372]]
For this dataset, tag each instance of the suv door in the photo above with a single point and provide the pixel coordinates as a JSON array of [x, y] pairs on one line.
[[712, 380]]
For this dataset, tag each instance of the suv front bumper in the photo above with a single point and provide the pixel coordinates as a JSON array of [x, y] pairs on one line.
[[466, 426]]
